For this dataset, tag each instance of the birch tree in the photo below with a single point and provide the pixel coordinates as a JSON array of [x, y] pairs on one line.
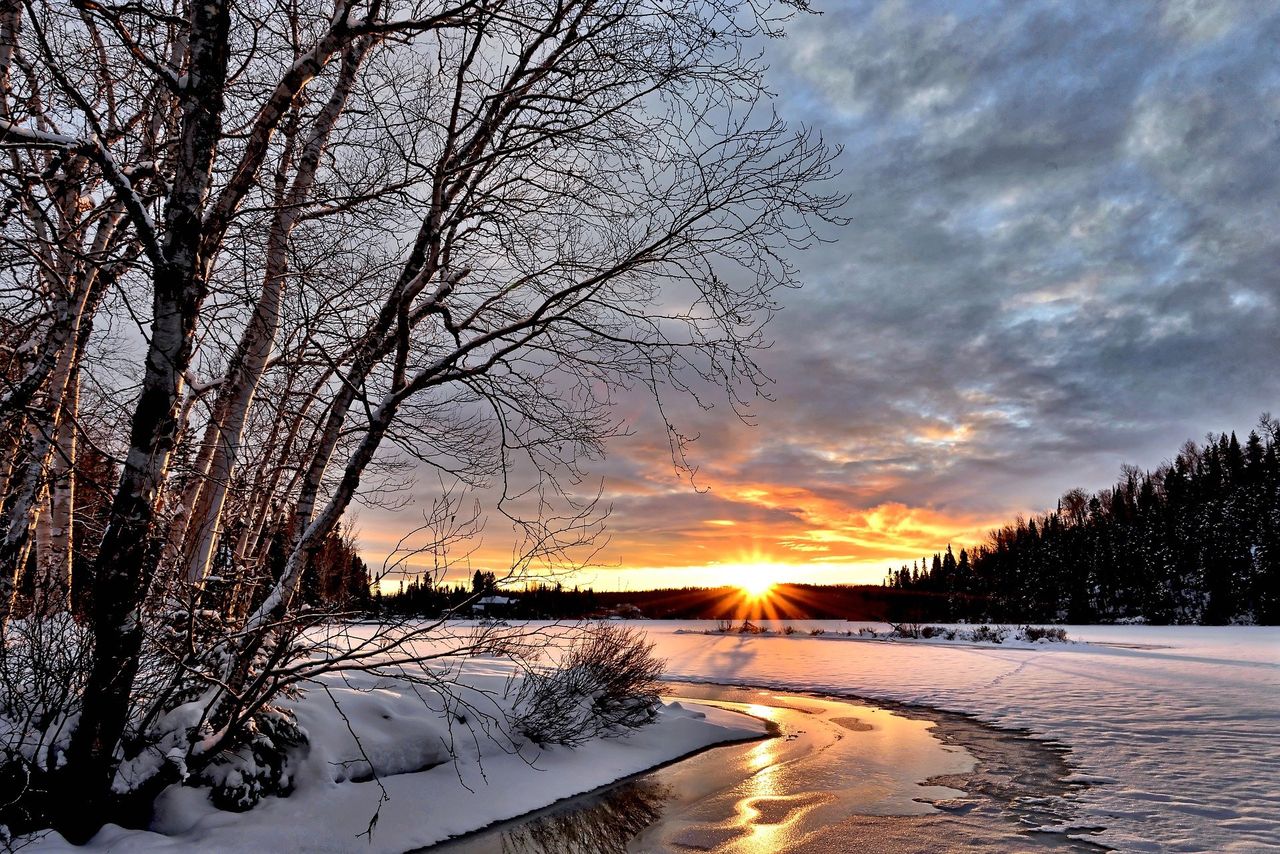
[[374, 236]]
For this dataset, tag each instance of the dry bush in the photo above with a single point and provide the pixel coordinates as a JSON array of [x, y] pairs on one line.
[[993, 634], [41, 675], [605, 685], [1056, 634]]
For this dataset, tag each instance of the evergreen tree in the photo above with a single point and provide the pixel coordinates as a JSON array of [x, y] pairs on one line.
[[1197, 540]]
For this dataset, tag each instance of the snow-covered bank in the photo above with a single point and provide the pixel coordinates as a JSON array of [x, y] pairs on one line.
[[1178, 727], [420, 796]]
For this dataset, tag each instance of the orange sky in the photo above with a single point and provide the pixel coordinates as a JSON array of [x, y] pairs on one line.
[[662, 532]]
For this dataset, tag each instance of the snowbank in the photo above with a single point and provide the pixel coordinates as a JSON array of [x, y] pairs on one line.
[[407, 736]]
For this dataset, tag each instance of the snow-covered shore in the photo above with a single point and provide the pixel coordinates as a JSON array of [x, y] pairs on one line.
[[420, 796]]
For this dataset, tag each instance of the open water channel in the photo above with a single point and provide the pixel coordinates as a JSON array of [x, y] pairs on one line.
[[837, 775]]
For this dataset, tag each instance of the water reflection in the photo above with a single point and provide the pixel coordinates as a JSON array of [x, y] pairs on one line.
[[763, 811], [838, 776], [599, 824]]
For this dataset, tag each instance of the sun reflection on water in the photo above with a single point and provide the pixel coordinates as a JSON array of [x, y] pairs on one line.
[[765, 816]]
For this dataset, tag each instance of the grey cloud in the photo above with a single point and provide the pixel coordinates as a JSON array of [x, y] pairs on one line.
[[1064, 234]]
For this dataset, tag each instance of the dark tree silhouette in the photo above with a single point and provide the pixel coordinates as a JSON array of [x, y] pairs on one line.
[[1195, 541]]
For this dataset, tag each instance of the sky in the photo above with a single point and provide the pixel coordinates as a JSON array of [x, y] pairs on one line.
[[1063, 254]]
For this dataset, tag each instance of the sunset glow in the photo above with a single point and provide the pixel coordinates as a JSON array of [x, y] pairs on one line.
[[755, 580], [744, 533], [940, 371]]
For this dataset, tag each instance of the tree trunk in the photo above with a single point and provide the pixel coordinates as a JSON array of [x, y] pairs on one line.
[[24, 514], [241, 383], [127, 555], [53, 559], [81, 287], [45, 426]]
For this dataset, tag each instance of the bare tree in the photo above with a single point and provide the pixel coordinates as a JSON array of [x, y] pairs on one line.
[[381, 235]]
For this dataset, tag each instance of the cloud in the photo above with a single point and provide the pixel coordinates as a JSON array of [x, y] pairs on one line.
[[1063, 254]]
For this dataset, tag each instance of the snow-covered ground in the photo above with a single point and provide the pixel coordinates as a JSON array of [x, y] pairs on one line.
[[407, 735], [1178, 727]]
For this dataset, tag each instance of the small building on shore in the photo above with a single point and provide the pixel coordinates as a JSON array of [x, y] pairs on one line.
[[494, 607]]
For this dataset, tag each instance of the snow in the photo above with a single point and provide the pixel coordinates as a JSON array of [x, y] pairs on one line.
[[407, 736], [1177, 727]]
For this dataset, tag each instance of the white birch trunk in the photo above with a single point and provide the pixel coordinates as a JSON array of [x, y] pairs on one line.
[[45, 425], [53, 560], [241, 383]]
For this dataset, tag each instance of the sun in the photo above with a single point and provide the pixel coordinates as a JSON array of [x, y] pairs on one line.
[[754, 580]]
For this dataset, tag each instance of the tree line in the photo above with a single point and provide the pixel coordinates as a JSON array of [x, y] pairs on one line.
[[1197, 540], [425, 597]]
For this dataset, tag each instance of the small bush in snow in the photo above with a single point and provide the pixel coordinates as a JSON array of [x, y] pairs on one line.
[[816, 632], [259, 766], [788, 630], [750, 628], [43, 662], [992, 634], [866, 632], [605, 685], [724, 626], [1054, 634]]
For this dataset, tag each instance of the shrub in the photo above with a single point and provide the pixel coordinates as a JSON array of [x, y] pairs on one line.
[[260, 766], [867, 632], [43, 663], [788, 630], [993, 634], [605, 685], [724, 626], [1053, 634], [816, 632]]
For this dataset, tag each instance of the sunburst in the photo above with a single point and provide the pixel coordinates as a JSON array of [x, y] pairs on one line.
[[754, 580]]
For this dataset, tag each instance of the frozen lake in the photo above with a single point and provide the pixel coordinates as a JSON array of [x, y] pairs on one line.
[[1141, 739], [1176, 729], [837, 775]]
